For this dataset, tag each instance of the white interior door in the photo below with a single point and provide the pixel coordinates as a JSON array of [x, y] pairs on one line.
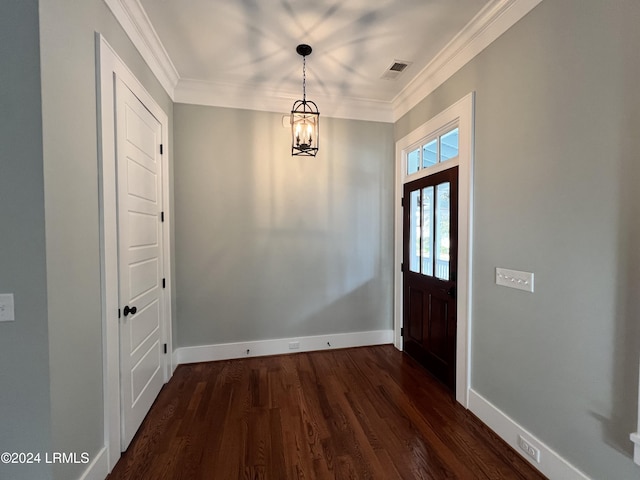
[[139, 185]]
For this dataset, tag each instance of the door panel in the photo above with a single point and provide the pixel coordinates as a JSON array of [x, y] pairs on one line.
[[416, 314], [143, 276], [139, 172], [430, 252], [142, 182], [142, 229], [438, 328]]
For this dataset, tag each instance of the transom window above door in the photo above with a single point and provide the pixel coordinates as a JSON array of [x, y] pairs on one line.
[[434, 151]]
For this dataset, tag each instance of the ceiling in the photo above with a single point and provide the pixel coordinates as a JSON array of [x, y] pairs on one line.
[[241, 53]]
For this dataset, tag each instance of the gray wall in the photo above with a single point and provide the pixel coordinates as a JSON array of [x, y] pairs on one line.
[[24, 351], [72, 226], [273, 246], [556, 193]]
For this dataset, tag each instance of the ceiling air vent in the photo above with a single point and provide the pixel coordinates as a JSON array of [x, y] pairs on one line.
[[395, 69], [398, 67]]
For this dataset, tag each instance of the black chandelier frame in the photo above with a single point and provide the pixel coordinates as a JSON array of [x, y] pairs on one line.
[[305, 116]]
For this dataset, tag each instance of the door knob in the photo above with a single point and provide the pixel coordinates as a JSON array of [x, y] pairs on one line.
[[128, 310]]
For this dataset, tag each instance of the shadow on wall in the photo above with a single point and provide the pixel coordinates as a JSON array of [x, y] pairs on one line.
[[351, 311], [275, 246], [626, 349], [316, 246]]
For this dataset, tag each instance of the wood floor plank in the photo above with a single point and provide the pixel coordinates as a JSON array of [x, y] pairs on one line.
[[362, 413]]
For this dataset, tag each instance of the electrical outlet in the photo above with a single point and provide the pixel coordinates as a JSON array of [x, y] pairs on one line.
[[529, 449], [6, 308], [294, 345]]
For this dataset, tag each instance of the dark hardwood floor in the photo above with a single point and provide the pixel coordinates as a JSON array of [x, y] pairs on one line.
[[367, 412]]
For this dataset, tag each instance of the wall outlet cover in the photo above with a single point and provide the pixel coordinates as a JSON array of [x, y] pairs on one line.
[[7, 313], [528, 448]]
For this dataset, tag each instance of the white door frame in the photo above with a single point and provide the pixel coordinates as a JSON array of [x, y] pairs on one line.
[[461, 114], [110, 66]]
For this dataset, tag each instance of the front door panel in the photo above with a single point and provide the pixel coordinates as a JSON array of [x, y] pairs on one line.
[[430, 270]]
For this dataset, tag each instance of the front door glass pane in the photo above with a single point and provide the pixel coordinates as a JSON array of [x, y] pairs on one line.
[[413, 161], [443, 223], [414, 231], [449, 145], [427, 231], [430, 154]]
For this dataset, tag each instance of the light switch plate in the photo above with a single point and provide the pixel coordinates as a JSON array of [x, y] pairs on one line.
[[6, 307], [514, 279]]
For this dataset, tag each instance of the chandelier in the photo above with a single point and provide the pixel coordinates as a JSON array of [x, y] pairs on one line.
[[305, 117]]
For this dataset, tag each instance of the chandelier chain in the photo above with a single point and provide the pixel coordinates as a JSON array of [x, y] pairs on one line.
[[304, 78]]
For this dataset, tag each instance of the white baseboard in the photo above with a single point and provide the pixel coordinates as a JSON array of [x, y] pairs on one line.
[[226, 351], [98, 468], [551, 464], [635, 438]]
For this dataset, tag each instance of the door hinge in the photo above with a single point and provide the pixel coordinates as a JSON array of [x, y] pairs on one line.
[[402, 267], [161, 149], [165, 348], [119, 313], [164, 283], [402, 331], [402, 201], [162, 216]]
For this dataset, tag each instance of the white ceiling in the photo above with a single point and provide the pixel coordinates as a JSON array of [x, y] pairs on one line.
[[241, 53]]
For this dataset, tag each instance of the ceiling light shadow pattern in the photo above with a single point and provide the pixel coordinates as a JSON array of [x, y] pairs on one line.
[[248, 42], [255, 45], [349, 67], [326, 23]]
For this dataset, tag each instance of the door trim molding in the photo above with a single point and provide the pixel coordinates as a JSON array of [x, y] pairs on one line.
[[461, 114], [109, 66]]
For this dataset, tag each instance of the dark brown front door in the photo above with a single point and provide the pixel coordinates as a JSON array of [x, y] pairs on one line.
[[430, 264]]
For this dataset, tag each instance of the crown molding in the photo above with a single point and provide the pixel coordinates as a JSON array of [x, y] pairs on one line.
[[250, 97], [137, 25], [491, 22]]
